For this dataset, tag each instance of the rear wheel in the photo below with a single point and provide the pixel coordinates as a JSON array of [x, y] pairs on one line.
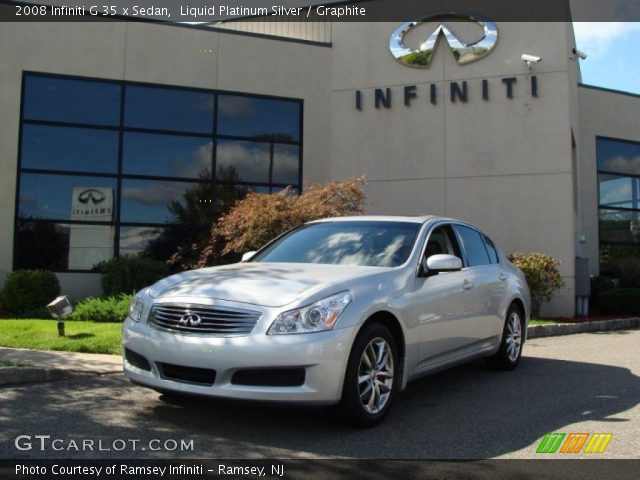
[[371, 377], [510, 351]]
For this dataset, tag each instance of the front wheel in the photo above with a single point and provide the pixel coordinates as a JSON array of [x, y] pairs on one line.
[[371, 377], [510, 351]]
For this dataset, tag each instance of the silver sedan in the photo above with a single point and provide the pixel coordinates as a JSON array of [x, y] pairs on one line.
[[341, 311]]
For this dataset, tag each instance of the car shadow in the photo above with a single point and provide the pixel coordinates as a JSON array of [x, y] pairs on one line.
[[469, 412]]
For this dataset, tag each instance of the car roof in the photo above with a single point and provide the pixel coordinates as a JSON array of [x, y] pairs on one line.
[[381, 218]]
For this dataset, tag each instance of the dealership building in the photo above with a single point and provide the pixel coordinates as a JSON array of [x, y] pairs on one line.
[[107, 129]]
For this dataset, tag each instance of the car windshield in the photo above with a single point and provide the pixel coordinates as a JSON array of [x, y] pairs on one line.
[[362, 243]]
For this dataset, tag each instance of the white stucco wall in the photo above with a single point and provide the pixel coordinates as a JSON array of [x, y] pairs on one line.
[[503, 164]]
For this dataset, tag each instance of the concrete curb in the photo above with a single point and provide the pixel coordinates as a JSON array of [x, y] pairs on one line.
[[16, 375], [539, 331]]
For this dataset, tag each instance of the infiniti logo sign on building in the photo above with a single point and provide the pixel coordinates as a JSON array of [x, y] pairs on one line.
[[463, 52], [93, 195]]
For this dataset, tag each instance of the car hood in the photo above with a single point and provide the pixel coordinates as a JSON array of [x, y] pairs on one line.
[[266, 284]]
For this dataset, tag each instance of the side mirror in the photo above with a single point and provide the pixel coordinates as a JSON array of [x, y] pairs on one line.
[[442, 263], [248, 256]]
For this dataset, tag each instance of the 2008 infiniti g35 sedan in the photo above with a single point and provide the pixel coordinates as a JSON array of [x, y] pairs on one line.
[[341, 311]]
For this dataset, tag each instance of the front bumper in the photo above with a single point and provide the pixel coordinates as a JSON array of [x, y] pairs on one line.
[[323, 356]]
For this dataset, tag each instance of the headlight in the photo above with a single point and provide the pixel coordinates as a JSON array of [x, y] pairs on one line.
[[136, 308], [317, 317]]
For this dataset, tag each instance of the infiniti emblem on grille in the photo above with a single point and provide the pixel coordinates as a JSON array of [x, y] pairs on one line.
[[190, 319]]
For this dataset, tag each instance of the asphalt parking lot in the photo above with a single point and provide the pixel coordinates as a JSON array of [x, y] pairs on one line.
[[578, 383]]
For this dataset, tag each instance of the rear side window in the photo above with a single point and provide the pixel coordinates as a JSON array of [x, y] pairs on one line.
[[474, 246], [491, 249]]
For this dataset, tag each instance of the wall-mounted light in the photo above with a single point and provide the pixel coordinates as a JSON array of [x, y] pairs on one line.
[[59, 309]]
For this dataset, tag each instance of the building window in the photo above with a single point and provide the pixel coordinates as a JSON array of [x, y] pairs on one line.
[[618, 201], [111, 168]]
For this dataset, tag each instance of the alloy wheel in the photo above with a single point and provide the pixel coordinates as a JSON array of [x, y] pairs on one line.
[[375, 375], [514, 336]]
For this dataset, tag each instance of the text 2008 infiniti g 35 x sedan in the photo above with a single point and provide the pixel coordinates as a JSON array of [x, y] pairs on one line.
[[338, 311]]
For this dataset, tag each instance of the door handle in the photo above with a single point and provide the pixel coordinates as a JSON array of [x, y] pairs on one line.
[[467, 285], [503, 277]]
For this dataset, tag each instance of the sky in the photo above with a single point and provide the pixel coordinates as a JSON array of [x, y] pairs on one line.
[[612, 54]]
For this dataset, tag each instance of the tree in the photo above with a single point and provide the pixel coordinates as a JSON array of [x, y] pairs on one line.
[[258, 218], [201, 206]]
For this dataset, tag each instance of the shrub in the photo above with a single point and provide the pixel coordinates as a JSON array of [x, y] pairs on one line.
[[128, 274], [27, 292], [258, 218], [543, 277], [620, 300], [105, 309], [630, 273], [599, 285]]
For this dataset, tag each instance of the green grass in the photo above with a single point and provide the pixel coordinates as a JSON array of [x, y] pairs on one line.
[[87, 337]]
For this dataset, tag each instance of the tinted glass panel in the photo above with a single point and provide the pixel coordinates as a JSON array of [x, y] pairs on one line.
[[243, 161], [491, 250], [63, 197], [135, 240], [474, 247], [286, 164], [162, 132], [169, 109], [59, 246], [155, 201], [618, 157], [259, 189], [617, 191], [617, 226], [258, 118], [167, 155], [67, 148], [380, 244], [73, 101]]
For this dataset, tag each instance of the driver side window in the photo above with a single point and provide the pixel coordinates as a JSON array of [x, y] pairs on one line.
[[442, 241]]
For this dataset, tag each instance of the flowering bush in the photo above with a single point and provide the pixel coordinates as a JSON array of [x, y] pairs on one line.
[[543, 277]]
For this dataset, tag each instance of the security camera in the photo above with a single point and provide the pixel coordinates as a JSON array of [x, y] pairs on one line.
[[530, 58], [578, 53]]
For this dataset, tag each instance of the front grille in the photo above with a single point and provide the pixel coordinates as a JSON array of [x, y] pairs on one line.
[[269, 377], [137, 360], [206, 319], [180, 373]]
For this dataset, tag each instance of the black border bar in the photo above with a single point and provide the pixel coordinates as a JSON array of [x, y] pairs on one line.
[[313, 11], [371, 469]]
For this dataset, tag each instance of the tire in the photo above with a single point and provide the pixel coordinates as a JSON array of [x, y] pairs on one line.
[[365, 402], [512, 343]]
